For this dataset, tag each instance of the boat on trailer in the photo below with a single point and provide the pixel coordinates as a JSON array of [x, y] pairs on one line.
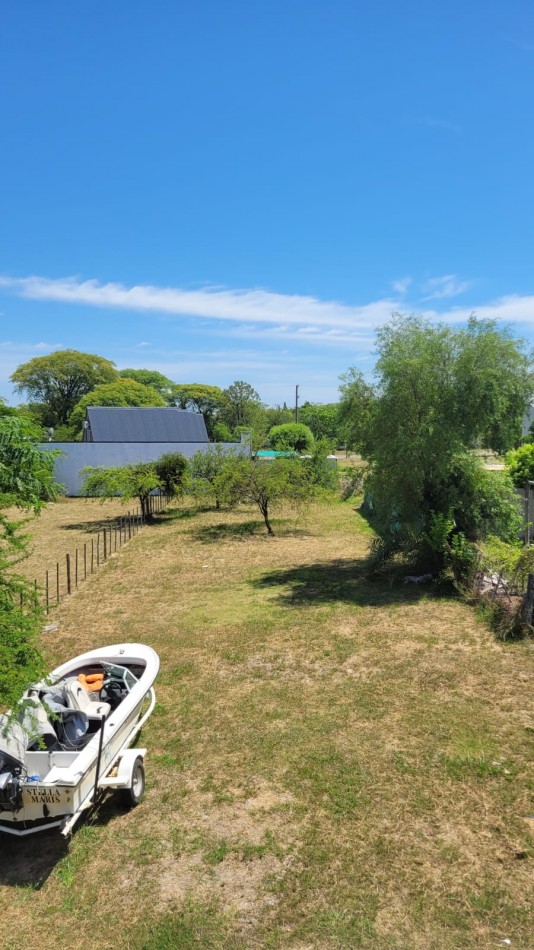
[[71, 737]]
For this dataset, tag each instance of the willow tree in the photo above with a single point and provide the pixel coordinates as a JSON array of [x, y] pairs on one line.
[[439, 392]]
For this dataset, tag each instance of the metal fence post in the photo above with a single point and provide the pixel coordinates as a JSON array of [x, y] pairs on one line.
[[67, 558]]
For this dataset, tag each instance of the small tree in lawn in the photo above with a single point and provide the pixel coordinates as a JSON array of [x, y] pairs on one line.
[[127, 482], [207, 472], [168, 474], [172, 470], [265, 484]]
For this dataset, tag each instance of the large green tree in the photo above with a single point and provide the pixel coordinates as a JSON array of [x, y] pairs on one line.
[[243, 405], [323, 420], [198, 397], [123, 392], [152, 378], [439, 393], [58, 381]]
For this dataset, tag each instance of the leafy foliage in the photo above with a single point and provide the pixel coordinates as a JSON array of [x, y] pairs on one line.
[[128, 481], [172, 470], [323, 420], [520, 464], [207, 471], [278, 416], [26, 472], [59, 381], [243, 406], [151, 377], [265, 484], [356, 411], [439, 393], [123, 392], [26, 481], [197, 397], [168, 474], [318, 467], [292, 435]]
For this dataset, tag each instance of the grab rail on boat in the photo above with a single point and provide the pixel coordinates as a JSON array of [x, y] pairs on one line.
[[68, 824]]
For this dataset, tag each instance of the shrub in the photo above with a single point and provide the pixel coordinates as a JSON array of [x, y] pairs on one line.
[[520, 464], [292, 435], [172, 470]]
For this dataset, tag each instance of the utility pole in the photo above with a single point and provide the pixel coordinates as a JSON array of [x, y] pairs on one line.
[[296, 404]]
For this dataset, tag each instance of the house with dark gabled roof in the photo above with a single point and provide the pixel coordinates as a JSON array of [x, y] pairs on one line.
[[143, 424], [115, 436]]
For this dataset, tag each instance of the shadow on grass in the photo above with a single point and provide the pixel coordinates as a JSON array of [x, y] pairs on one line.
[[177, 514], [211, 534], [29, 861], [93, 527], [341, 580]]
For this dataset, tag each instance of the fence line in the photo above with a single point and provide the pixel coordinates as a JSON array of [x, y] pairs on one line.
[[109, 540]]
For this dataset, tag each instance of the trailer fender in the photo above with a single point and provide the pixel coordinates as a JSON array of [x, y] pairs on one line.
[[124, 767]]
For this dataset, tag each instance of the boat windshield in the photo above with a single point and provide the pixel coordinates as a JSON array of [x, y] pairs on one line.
[[120, 674]]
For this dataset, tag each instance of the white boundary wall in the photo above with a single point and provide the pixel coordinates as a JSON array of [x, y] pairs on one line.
[[76, 455]]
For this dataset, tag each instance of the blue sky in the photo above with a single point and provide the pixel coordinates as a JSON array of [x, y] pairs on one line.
[[246, 189]]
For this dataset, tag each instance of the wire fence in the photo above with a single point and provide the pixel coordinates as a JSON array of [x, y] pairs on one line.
[[75, 567]]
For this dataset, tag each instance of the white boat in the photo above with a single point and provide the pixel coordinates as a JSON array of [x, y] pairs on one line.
[[70, 738]]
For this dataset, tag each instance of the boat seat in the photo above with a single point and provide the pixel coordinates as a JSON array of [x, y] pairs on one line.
[[37, 727], [78, 698]]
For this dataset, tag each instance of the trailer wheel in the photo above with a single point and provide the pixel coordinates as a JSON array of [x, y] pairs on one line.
[[132, 795]]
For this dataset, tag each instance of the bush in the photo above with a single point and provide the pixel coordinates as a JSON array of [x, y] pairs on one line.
[[292, 435], [172, 470], [520, 464], [318, 468], [20, 619]]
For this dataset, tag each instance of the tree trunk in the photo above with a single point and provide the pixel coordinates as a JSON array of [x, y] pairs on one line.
[[264, 508]]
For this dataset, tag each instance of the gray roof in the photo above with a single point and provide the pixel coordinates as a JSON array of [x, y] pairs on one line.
[[117, 424]]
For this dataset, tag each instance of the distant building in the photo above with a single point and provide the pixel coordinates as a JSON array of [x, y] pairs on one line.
[[114, 436], [143, 424]]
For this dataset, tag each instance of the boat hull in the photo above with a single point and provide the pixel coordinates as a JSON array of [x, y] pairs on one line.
[[65, 783]]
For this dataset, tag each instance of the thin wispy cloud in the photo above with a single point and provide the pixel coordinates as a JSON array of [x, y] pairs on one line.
[[261, 315], [258, 306], [449, 285], [401, 286], [510, 309]]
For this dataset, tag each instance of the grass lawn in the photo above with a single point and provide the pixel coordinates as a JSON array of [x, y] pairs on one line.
[[333, 762], [60, 529]]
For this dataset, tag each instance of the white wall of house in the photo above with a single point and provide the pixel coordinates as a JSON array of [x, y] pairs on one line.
[[77, 455]]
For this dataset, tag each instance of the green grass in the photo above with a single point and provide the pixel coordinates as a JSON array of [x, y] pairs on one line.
[[333, 762]]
